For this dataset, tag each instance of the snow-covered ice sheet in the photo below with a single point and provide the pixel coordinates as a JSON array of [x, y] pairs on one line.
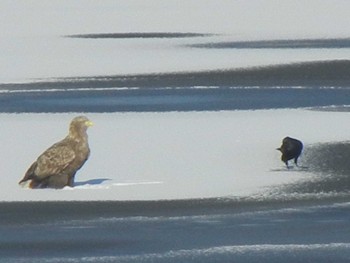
[[34, 43], [173, 155]]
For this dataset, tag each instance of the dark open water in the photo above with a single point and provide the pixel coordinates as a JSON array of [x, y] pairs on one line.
[[214, 230], [308, 222], [310, 84]]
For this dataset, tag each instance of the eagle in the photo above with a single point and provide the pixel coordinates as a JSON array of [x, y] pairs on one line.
[[57, 166], [291, 149]]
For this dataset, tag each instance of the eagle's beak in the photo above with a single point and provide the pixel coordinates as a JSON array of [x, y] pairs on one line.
[[89, 123]]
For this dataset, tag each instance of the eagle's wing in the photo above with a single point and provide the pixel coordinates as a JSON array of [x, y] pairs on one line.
[[54, 160]]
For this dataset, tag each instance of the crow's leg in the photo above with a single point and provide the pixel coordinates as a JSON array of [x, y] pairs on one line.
[[286, 162], [296, 161]]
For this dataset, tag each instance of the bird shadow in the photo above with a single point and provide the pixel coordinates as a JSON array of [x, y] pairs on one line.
[[92, 182], [291, 169]]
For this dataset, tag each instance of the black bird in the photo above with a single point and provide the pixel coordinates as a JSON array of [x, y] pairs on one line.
[[291, 149]]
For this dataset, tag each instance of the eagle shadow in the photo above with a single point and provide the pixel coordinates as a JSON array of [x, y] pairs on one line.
[[92, 182]]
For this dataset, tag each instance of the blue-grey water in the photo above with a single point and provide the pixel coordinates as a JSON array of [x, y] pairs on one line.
[[309, 84], [308, 222], [213, 230]]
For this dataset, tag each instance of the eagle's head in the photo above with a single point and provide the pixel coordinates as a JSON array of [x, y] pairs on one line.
[[79, 125]]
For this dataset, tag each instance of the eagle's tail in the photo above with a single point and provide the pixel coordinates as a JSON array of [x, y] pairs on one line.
[[29, 175]]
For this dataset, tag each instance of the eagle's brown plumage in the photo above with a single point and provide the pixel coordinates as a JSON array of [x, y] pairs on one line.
[[56, 167]]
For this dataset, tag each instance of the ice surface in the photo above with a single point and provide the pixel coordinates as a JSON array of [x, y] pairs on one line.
[[174, 155], [162, 155], [34, 45]]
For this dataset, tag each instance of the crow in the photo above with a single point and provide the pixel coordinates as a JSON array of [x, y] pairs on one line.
[[291, 149]]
